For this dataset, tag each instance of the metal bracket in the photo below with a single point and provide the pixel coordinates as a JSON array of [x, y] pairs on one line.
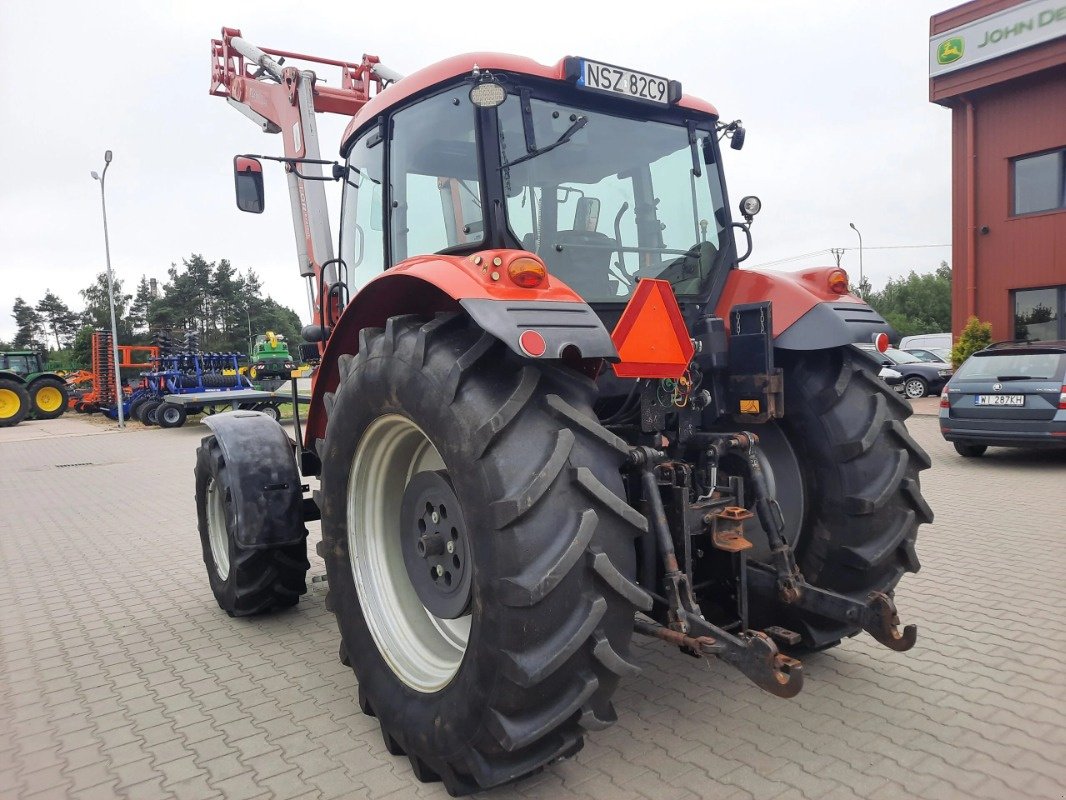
[[752, 652], [877, 616]]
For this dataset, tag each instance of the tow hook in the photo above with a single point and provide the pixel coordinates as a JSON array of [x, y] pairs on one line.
[[877, 616], [882, 623]]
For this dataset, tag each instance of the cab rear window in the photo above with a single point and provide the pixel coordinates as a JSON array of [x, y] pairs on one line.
[[1021, 366]]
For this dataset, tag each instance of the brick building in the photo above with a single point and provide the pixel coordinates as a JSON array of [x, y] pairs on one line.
[[1000, 66]]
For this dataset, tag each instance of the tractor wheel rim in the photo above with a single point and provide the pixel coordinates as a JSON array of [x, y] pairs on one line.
[[423, 651], [170, 415], [9, 404], [915, 388], [49, 398], [217, 534]]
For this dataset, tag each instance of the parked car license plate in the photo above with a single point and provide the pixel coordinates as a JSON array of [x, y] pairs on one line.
[[617, 80], [999, 400]]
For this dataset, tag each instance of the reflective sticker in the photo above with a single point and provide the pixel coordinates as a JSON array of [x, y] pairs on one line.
[[749, 406]]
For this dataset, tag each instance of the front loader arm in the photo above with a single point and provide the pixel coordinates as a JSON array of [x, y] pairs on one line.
[[284, 100]]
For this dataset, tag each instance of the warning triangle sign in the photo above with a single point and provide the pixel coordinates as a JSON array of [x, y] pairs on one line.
[[651, 337]]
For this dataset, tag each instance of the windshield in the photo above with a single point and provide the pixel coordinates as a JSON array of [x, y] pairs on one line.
[[616, 200], [1035, 366]]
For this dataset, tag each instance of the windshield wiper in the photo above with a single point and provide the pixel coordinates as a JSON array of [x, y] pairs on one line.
[[568, 134], [1020, 378]]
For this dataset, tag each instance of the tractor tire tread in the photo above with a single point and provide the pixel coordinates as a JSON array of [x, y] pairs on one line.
[[566, 671], [862, 468], [260, 580]]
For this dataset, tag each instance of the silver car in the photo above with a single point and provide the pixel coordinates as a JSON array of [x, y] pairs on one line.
[[1011, 394]]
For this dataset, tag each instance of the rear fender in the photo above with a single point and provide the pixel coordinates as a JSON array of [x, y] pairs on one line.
[[268, 493], [806, 315], [478, 285]]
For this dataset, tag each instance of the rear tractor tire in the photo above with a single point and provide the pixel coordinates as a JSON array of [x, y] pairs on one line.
[[479, 549], [49, 397], [14, 402], [244, 580], [859, 468]]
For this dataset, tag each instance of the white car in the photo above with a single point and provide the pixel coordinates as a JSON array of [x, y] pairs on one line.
[[893, 378]]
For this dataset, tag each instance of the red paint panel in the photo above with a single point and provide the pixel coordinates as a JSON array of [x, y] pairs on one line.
[[792, 293], [464, 65], [424, 285]]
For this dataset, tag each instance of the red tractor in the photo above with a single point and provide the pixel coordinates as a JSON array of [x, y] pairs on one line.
[[551, 412]]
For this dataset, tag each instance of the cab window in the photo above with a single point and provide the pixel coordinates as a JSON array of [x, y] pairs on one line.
[[362, 244], [433, 177]]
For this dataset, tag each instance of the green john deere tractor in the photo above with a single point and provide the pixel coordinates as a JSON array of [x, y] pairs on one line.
[[270, 358], [27, 388]]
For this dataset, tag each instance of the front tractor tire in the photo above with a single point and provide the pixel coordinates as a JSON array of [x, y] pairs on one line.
[[246, 579], [859, 466], [437, 433]]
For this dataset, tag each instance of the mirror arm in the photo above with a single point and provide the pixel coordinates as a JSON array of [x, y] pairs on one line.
[[292, 162]]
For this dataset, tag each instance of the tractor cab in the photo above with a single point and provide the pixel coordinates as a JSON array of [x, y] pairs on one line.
[[607, 175], [21, 362]]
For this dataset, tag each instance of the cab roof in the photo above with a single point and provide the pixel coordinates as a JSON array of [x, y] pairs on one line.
[[464, 64]]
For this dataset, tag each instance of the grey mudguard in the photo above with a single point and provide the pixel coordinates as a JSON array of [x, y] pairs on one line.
[[561, 324], [267, 493], [832, 325]]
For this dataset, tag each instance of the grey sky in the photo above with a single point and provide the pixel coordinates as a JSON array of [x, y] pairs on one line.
[[833, 94]]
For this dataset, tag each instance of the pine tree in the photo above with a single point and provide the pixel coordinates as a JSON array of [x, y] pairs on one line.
[[58, 319], [138, 316], [30, 332]]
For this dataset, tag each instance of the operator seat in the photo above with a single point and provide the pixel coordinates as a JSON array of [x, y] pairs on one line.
[[582, 259]]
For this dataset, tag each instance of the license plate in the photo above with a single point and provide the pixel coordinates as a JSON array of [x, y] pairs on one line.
[[616, 80], [999, 400]]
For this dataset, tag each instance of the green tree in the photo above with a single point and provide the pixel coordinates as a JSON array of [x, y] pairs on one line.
[[81, 350], [975, 336], [918, 303], [219, 303], [57, 319], [138, 315], [97, 313], [30, 333]]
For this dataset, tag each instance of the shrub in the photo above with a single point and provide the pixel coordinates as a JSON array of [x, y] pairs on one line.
[[975, 336]]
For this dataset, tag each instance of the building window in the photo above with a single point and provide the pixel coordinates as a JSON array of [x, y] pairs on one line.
[[1040, 182], [1039, 314]]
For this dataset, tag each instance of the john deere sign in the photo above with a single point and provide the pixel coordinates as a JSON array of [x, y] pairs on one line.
[[1017, 28]]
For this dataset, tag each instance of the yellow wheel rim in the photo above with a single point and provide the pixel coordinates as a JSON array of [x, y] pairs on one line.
[[49, 398], [9, 404]]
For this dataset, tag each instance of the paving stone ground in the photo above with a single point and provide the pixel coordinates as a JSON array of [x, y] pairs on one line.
[[120, 676]]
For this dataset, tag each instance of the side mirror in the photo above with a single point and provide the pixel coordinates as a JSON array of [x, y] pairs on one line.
[[736, 141], [587, 214], [248, 181]]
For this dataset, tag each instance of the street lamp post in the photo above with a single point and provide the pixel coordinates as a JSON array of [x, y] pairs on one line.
[[852, 225], [111, 293]]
